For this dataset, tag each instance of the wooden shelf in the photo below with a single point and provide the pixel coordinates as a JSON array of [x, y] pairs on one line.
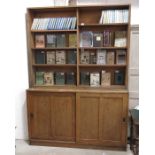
[[100, 65], [100, 25], [54, 65], [50, 31], [56, 48], [96, 48]]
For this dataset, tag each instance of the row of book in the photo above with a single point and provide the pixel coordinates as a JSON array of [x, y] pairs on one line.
[[86, 78], [103, 57], [114, 16], [55, 78], [55, 57], [61, 23], [55, 40], [106, 38], [103, 79]]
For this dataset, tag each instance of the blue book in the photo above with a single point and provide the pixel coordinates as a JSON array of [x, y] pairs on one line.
[[119, 77]]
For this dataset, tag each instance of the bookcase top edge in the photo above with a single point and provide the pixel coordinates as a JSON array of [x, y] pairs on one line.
[[77, 6]]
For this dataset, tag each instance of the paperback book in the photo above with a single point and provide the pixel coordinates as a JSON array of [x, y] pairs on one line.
[[105, 78], [92, 57], [72, 40], [86, 39], [39, 41], [85, 57], [85, 78], [60, 57], [61, 40], [70, 78], [39, 78], [48, 78], [97, 39], [71, 57], [50, 57], [121, 57], [119, 77], [51, 40], [101, 57], [110, 57], [59, 78], [94, 79], [40, 57]]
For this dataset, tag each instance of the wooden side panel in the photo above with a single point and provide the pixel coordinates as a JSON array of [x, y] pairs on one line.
[[63, 116], [113, 120], [88, 118], [39, 115]]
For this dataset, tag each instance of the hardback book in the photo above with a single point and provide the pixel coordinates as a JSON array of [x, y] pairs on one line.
[[70, 78], [97, 40], [95, 79], [39, 78], [51, 40], [40, 57], [39, 41], [105, 78], [59, 78], [101, 57], [120, 39], [92, 57], [48, 78], [60, 57], [50, 57], [119, 77], [84, 78], [110, 57], [61, 40], [86, 39], [71, 57], [85, 57], [72, 40], [121, 57]]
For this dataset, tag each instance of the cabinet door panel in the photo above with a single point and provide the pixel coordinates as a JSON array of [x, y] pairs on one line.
[[112, 114], [63, 116], [39, 115], [88, 118]]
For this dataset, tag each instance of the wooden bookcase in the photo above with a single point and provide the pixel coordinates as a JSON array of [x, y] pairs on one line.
[[77, 115]]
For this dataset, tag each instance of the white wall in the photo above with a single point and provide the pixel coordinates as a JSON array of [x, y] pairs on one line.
[[19, 55]]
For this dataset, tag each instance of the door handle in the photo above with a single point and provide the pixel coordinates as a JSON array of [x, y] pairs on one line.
[[31, 115]]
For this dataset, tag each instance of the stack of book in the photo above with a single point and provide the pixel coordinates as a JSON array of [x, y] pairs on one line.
[[62, 23], [114, 16]]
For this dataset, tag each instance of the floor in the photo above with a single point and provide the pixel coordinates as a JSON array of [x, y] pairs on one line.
[[23, 148]]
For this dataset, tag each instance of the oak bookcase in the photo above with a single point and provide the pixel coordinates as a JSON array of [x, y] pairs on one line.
[[76, 115]]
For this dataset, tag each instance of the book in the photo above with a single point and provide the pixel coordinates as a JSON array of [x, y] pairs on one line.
[[50, 57], [61, 40], [101, 57], [120, 39], [114, 16], [121, 57], [97, 39], [51, 40], [105, 78], [84, 57], [119, 77], [70, 78], [39, 41], [40, 57], [95, 79], [39, 78], [86, 39], [71, 57], [59, 78], [110, 57], [72, 40], [48, 78], [60, 57], [84, 78], [93, 57]]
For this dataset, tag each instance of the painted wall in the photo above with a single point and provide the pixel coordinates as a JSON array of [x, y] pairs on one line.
[[20, 57]]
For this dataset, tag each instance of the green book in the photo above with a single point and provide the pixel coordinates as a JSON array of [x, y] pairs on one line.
[[61, 40], [51, 40], [59, 78], [85, 78], [39, 78], [119, 77], [70, 78], [40, 57], [71, 57]]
